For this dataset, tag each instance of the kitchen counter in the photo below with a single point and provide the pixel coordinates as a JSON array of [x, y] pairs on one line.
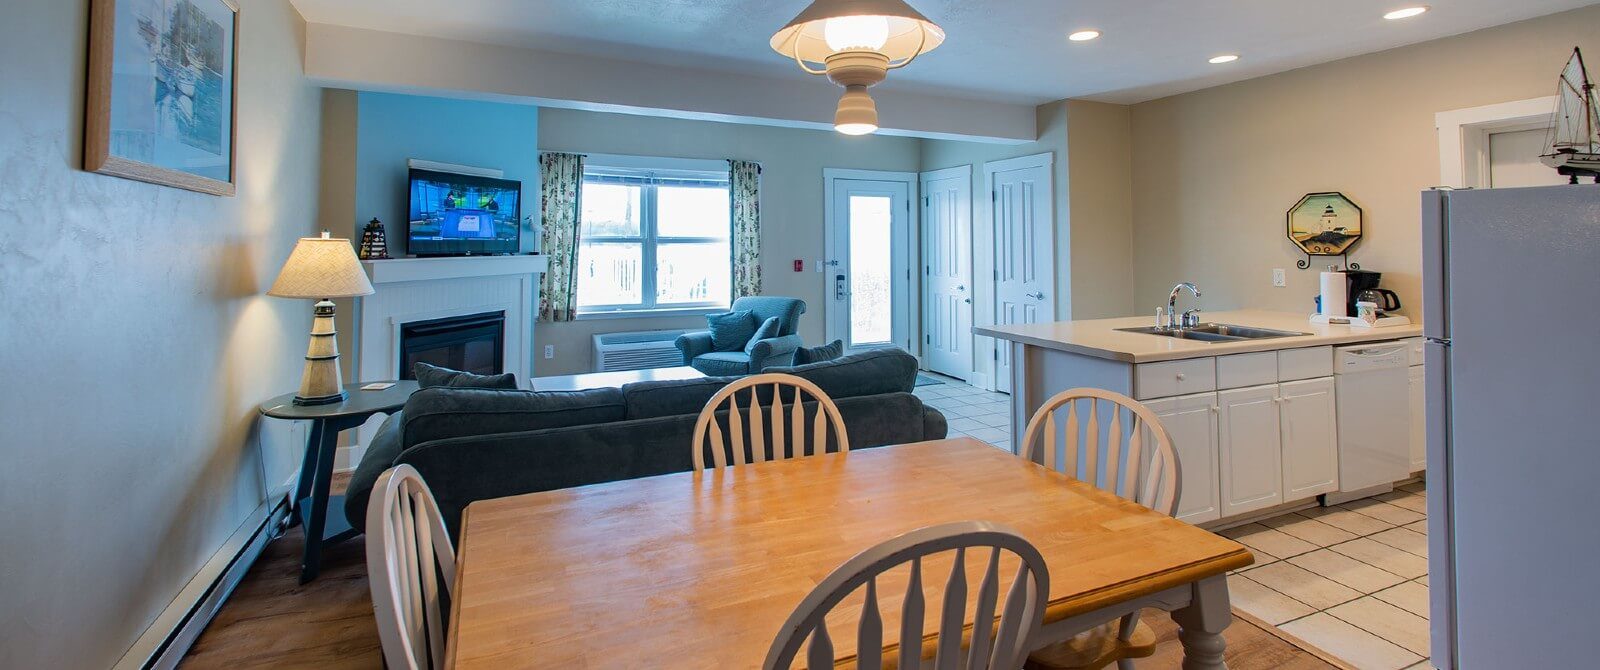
[[1100, 339]]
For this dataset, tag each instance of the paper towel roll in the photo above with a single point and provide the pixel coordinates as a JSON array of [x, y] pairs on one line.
[[1335, 294]]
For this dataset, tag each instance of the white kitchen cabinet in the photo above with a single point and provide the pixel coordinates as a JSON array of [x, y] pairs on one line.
[[1310, 443], [1419, 408], [1191, 422], [1250, 458]]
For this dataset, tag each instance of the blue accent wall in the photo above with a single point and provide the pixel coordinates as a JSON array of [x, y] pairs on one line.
[[391, 128]]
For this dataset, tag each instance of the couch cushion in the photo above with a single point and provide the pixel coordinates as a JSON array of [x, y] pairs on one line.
[[429, 376], [723, 363], [866, 373], [438, 413], [730, 331], [788, 310], [826, 352], [768, 330], [648, 400]]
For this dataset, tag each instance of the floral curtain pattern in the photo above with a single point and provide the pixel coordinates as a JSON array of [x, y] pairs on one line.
[[560, 182], [744, 189]]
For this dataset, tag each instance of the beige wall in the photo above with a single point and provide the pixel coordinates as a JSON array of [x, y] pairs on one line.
[[1215, 170], [136, 340], [1100, 208], [791, 160]]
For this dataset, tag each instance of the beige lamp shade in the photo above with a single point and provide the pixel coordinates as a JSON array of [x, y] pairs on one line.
[[321, 267], [888, 27]]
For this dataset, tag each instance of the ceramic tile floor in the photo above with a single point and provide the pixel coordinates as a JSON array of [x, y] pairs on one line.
[[1351, 580], [970, 411]]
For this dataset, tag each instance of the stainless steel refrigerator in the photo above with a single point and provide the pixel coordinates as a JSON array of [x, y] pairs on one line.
[[1511, 287]]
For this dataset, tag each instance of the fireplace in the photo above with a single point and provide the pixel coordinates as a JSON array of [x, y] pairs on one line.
[[473, 342]]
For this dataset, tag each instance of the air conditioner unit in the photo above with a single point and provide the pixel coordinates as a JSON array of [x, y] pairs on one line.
[[637, 351]]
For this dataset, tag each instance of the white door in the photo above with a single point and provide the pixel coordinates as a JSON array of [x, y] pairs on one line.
[[1415, 384], [867, 276], [1021, 215], [1310, 440], [1191, 422], [1249, 452], [947, 271], [1514, 160]]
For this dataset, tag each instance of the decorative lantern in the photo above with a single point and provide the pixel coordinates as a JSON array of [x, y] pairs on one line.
[[373, 244]]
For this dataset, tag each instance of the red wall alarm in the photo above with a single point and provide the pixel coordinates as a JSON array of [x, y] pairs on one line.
[[799, 265]]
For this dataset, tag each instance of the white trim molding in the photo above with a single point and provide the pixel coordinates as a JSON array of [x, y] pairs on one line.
[[1464, 136]]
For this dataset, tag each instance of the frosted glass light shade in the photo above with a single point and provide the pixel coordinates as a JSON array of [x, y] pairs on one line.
[[321, 267], [905, 33], [856, 32]]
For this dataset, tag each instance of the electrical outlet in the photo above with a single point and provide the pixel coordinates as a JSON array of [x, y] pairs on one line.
[[1278, 278], [549, 351]]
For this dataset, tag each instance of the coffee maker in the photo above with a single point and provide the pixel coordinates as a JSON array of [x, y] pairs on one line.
[[1363, 286]]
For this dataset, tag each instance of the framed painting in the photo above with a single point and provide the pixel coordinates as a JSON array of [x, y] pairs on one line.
[[160, 104], [1324, 224]]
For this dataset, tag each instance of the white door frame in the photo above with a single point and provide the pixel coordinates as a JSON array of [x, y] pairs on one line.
[[983, 270], [962, 172], [906, 328], [1464, 136]]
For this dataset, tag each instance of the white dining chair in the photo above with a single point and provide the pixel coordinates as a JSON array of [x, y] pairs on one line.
[[1000, 645], [786, 416], [409, 558], [1117, 461]]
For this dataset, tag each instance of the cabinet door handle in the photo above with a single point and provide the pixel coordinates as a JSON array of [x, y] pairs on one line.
[[1181, 376]]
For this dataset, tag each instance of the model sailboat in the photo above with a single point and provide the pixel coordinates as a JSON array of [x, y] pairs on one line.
[[1574, 140]]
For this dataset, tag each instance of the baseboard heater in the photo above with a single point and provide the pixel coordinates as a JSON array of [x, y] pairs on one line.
[[169, 637], [640, 350]]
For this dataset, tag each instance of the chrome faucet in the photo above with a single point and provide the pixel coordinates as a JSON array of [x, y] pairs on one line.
[[1172, 307]]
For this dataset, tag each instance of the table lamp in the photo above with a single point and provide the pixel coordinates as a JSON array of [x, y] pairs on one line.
[[321, 268]]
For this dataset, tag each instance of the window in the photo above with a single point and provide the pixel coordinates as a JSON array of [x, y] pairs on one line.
[[653, 240]]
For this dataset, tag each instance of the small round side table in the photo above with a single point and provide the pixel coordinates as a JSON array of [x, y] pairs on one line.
[[316, 471]]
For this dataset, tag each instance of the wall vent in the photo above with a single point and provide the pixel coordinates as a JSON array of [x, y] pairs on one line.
[[636, 351]]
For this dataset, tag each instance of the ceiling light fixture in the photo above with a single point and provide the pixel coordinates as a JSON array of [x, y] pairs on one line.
[[1224, 58], [1084, 35], [1406, 13], [856, 43]]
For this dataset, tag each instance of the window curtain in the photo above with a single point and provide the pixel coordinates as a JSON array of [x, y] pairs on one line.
[[744, 189], [560, 183]]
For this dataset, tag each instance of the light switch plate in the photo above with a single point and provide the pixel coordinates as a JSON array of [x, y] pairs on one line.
[[1279, 279], [549, 351]]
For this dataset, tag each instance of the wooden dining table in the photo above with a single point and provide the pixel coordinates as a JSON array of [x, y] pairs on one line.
[[700, 569]]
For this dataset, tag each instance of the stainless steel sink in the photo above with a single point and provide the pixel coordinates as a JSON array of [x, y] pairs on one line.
[[1214, 332]]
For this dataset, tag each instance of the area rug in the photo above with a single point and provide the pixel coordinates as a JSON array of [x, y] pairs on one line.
[[925, 380]]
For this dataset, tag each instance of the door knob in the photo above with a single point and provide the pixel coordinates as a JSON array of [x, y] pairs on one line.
[[961, 287], [1036, 295], [968, 301]]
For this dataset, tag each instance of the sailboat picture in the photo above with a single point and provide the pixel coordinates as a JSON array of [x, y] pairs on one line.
[[1574, 139]]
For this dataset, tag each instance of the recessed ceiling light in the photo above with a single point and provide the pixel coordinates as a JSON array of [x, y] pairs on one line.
[[1084, 35], [1225, 58], [1406, 13]]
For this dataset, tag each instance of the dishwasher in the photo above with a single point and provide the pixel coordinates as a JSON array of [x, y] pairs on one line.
[[1374, 418]]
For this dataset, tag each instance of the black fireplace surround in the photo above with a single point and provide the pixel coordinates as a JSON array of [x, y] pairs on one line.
[[473, 343]]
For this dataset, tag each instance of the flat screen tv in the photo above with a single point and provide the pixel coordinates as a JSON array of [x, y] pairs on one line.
[[463, 215]]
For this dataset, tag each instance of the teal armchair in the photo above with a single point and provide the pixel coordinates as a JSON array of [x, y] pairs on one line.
[[699, 353]]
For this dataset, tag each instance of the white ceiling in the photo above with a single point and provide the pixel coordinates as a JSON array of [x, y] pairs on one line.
[[1004, 50]]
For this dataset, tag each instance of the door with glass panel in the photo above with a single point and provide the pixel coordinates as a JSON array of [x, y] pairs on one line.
[[653, 240], [867, 279]]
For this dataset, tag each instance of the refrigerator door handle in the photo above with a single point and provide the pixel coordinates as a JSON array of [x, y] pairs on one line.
[[1441, 341]]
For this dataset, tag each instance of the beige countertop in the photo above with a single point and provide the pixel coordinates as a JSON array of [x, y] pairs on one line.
[[1099, 337]]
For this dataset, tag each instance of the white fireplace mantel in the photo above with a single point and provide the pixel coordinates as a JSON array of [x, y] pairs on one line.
[[396, 270], [418, 289]]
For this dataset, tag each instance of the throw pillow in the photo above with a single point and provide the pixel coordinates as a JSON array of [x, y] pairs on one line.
[[826, 352], [429, 376], [730, 331], [767, 331]]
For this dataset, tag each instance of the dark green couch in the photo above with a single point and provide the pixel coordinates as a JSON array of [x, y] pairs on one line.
[[475, 444]]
